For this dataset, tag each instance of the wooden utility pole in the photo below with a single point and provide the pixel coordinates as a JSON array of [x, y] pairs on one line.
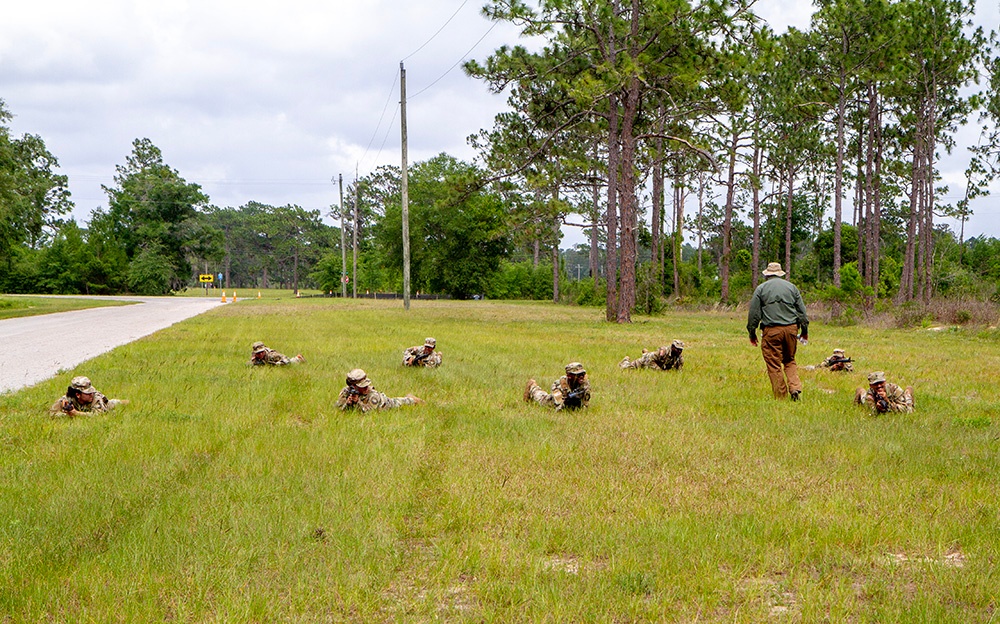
[[357, 196], [405, 189], [343, 242]]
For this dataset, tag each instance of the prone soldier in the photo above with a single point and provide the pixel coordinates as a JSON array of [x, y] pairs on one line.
[[81, 398], [838, 362], [664, 358], [423, 355], [359, 394], [882, 396], [571, 391], [262, 356]]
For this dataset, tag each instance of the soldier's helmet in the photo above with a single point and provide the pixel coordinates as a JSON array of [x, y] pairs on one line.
[[839, 352], [575, 368], [678, 344], [430, 342], [876, 377], [82, 385], [358, 378], [258, 347]]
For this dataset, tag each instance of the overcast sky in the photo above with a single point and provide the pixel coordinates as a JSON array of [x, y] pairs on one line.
[[267, 101]]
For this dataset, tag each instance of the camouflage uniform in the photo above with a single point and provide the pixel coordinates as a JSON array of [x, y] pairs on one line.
[[67, 404], [665, 358], [838, 354], [415, 356], [272, 357], [559, 397], [896, 399], [351, 398]]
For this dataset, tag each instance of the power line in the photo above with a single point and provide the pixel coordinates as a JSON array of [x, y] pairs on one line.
[[464, 56], [438, 31]]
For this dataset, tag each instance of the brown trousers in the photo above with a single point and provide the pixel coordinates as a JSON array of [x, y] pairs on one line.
[[777, 345]]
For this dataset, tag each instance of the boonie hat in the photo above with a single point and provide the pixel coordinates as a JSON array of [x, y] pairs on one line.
[[258, 347], [575, 368], [876, 377], [82, 384], [430, 342], [678, 344], [774, 268], [358, 378], [840, 351]]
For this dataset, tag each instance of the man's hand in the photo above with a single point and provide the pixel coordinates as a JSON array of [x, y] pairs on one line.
[[753, 340]]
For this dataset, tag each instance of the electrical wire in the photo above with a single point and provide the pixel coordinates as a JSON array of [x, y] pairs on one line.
[[464, 56], [437, 33]]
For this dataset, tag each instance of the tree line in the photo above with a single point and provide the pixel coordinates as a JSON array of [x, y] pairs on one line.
[[689, 142]]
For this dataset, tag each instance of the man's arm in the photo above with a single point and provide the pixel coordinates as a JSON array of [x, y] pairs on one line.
[[753, 317]]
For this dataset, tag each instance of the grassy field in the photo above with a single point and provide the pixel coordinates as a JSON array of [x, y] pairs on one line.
[[225, 493], [12, 306]]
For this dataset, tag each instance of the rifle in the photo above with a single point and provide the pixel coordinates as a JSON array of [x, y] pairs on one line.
[[575, 395], [417, 359], [835, 361], [881, 404]]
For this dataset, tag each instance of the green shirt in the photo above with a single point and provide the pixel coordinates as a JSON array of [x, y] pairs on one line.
[[777, 302]]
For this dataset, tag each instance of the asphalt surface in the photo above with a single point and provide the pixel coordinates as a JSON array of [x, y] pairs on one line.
[[37, 347]]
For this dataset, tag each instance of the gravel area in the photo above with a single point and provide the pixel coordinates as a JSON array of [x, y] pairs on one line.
[[37, 347]]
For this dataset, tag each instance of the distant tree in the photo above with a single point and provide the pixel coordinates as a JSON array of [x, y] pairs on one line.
[[32, 195], [458, 234], [150, 210]]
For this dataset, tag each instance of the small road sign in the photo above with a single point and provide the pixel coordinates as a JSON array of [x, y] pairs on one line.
[[206, 278]]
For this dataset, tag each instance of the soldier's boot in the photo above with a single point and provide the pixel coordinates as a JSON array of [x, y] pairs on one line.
[[795, 395], [301, 359], [909, 391], [624, 363], [527, 390]]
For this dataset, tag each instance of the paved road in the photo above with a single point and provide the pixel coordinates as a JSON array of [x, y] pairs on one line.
[[36, 347]]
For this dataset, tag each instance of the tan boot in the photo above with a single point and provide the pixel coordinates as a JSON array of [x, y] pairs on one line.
[[527, 390]]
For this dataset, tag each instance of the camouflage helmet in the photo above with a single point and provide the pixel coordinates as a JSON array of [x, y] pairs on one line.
[[838, 352], [82, 385], [575, 368], [358, 378], [876, 377], [678, 344], [430, 342], [258, 346]]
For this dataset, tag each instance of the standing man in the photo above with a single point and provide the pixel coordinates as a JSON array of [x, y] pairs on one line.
[[777, 307]]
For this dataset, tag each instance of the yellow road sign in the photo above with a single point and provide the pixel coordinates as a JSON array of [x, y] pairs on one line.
[[206, 278]]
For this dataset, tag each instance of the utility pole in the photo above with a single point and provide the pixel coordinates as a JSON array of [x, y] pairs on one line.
[[405, 189], [343, 242], [357, 196]]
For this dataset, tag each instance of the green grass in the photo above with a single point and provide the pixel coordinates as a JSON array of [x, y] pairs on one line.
[[12, 306], [225, 493]]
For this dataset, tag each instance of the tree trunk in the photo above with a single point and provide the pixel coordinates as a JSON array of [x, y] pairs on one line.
[[678, 236], [758, 157], [611, 216], [838, 180], [626, 185], [727, 219], [654, 251], [788, 221]]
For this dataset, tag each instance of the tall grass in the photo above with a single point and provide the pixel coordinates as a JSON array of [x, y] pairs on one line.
[[235, 494]]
